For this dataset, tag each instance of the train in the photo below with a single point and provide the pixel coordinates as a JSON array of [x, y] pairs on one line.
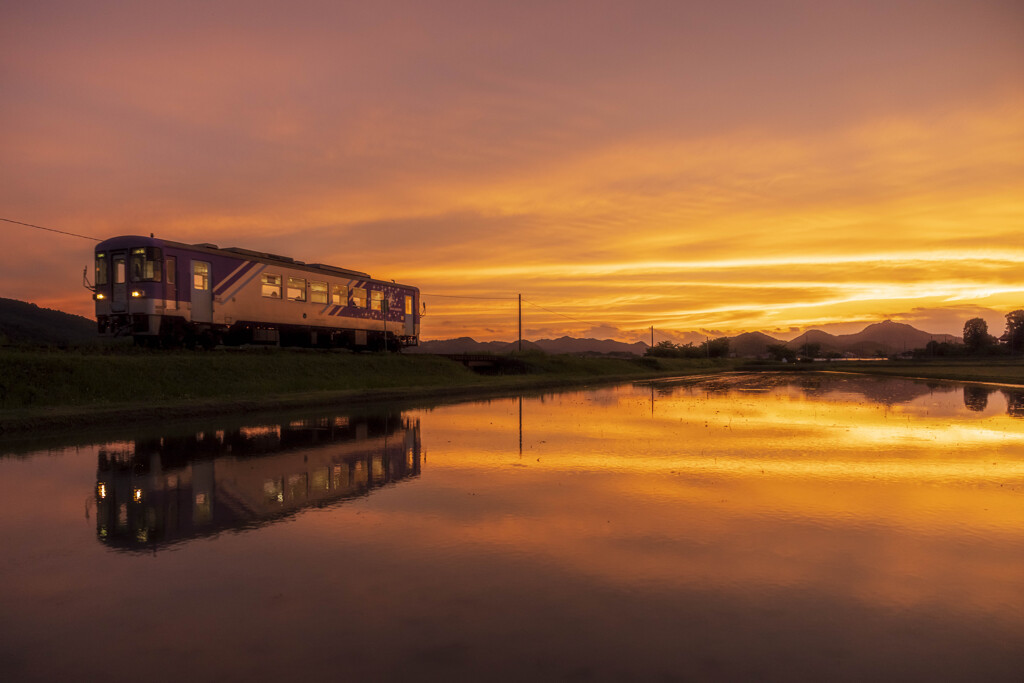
[[171, 294]]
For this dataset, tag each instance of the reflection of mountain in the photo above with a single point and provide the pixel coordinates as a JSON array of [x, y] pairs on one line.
[[159, 491], [883, 390]]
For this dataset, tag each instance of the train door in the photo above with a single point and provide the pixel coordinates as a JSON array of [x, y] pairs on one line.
[[119, 295], [171, 283], [202, 293], [410, 317]]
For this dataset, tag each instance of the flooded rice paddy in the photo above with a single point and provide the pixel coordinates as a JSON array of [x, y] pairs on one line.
[[816, 527]]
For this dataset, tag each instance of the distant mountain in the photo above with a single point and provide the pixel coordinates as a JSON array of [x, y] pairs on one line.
[[751, 344], [603, 346], [25, 323], [513, 347], [888, 337]]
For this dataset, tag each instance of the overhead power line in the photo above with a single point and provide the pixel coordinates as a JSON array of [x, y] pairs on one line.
[[62, 232], [513, 298], [485, 298], [567, 317]]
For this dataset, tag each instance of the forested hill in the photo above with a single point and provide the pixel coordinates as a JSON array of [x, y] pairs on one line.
[[25, 323]]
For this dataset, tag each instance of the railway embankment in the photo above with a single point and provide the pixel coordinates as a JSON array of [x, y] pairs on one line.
[[55, 389]]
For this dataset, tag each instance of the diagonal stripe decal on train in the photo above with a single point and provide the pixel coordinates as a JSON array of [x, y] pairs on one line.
[[252, 273], [235, 275]]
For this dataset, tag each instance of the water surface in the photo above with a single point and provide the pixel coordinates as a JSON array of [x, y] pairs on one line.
[[821, 527]]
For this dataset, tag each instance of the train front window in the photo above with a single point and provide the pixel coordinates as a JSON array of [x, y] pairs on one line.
[[120, 273], [102, 269], [147, 264]]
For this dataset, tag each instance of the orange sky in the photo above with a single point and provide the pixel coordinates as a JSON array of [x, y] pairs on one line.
[[706, 168]]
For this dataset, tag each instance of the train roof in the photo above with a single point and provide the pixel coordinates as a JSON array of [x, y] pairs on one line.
[[127, 241]]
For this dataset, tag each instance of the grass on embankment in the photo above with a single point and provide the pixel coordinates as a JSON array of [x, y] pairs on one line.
[[36, 381]]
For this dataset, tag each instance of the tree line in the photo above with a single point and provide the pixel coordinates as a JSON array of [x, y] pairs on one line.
[[712, 348], [978, 342]]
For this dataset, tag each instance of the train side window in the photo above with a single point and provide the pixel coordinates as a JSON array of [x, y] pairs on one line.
[[359, 297], [296, 289], [102, 269], [318, 292], [339, 295], [271, 286], [376, 300]]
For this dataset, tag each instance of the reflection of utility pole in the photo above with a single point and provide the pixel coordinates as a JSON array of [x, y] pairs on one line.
[[520, 427]]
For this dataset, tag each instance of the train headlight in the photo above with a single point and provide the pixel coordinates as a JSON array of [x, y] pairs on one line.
[[138, 294], [99, 296]]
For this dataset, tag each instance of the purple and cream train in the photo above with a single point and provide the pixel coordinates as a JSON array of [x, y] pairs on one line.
[[170, 294]]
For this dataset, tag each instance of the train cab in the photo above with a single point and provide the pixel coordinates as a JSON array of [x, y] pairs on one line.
[[132, 282]]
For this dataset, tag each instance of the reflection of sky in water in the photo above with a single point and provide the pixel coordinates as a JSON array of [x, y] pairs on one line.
[[818, 527]]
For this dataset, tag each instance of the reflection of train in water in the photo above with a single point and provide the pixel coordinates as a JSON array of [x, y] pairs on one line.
[[159, 491]]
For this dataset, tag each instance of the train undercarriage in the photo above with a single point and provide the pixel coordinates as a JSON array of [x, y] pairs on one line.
[[156, 331]]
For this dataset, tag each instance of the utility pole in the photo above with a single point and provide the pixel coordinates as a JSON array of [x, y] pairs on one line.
[[520, 323], [652, 336]]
